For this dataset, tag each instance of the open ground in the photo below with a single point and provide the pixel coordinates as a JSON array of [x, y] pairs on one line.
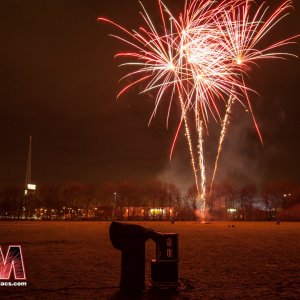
[[75, 260]]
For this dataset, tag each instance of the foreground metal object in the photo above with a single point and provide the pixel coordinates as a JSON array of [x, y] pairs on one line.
[[130, 239]]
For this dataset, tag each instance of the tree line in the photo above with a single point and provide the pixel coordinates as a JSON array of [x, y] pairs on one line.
[[152, 200]]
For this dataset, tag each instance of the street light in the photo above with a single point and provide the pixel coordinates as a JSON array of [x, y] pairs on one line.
[[114, 210]]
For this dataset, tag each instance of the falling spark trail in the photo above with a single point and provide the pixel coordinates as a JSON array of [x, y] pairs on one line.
[[202, 195], [189, 140], [221, 140]]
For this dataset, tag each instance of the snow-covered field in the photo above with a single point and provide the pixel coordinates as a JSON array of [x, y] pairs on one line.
[[75, 260]]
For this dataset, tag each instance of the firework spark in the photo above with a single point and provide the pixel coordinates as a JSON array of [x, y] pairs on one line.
[[241, 34], [197, 60], [225, 124]]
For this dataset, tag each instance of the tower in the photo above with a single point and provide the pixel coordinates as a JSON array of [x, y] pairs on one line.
[[28, 168], [29, 186]]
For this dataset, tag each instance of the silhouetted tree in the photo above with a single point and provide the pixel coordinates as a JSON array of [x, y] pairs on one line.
[[89, 194], [191, 199], [128, 195], [222, 198], [173, 198], [72, 196], [247, 198], [48, 197], [107, 196], [11, 201], [273, 196]]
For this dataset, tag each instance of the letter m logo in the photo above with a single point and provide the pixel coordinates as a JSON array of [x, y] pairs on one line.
[[13, 261]]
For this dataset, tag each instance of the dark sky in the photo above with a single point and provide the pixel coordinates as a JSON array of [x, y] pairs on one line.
[[59, 83]]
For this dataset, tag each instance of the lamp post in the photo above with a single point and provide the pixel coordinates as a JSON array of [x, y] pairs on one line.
[[115, 204]]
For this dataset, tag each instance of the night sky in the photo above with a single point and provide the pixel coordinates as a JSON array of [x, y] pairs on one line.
[[59, 82]]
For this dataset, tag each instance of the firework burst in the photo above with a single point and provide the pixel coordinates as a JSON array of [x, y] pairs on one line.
[[197, 60]]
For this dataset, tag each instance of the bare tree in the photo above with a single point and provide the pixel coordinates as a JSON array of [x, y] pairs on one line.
[[89, 194], [72, 196], [128, 195], [11, 203], [222, 198], [247, 198], [107, 194], [173, 198], [277, 195], [48, 197], [191, 198], [151, 192]]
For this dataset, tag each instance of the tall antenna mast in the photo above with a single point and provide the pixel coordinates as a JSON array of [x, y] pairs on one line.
[[29, 187], [28, 169]]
